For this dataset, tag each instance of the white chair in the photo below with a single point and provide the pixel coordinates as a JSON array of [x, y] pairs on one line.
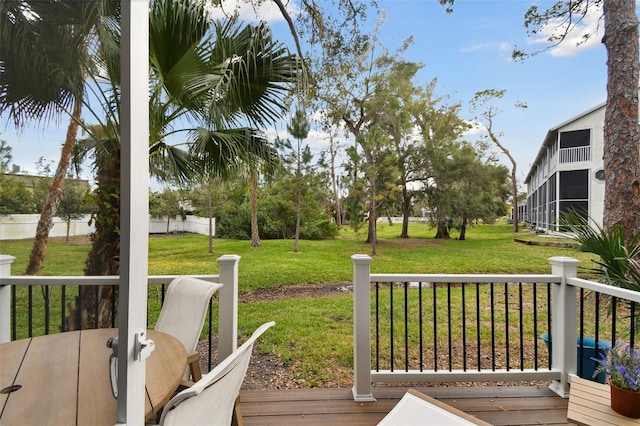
[[416, 408], [182, 316], [212, 400]]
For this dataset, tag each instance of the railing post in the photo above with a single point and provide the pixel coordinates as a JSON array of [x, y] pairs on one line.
[[5, 298], [361, 328], [228, 305], [563, 323]]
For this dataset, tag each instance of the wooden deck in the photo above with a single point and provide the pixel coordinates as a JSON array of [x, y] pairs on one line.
[[508, 405]]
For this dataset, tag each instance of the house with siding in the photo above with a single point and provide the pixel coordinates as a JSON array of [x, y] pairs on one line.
[[568, 172]]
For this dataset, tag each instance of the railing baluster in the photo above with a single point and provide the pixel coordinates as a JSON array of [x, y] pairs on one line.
[[478, 329], [30, 311], [209, 337], [93, 322], [406, 326], [506, 324], [14, 313], [614, 318], [449, 325], [113, 305], [80, 306], [597, 331], [377, 321], [534, 290], [521, 325], [63, 307], [581, 334], [435, 330], [464, 328], [632, 326], [493, 328], [46, 296], [549, 319], [391, 325], [420, 321]]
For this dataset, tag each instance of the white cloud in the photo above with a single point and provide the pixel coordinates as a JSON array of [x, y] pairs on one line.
[[245, 9], [473, 48], [476, 128], [487, 46], [574, 42]]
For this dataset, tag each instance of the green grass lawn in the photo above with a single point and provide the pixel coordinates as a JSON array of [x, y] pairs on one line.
[[488, 249], [313, 336]]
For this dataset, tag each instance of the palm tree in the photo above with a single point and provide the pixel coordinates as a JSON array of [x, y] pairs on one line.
[[43, 83], [211, 85], [619, 259]]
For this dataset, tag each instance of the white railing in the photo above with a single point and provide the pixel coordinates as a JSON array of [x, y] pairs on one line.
[[574, 155], [562, 306], [227, 295]]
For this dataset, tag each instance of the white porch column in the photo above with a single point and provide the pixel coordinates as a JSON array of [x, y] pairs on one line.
[[228, 305], [5, 298], [563, 323], [361, 328], [134, 219]]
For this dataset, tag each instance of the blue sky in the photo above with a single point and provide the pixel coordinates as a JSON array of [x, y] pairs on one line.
[[466, 51]]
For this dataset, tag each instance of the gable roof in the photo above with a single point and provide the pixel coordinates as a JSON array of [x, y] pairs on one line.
[[552, 135]]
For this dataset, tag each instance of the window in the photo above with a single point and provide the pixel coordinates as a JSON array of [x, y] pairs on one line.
[[575, 138], [574, 185]]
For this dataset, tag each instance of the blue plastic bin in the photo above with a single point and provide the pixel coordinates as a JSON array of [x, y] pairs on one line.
[[587, 366]]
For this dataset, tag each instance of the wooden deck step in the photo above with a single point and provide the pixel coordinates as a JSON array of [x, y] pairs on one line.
[[508, 405]]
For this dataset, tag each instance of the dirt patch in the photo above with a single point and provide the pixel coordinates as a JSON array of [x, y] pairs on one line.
[[266, 371], [300, 291]]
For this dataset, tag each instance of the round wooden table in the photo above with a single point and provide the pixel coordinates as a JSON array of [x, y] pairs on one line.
[[63, 379]]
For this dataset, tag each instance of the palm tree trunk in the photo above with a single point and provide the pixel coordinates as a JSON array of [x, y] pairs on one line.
[[97, 306], [210, 214], [255, 233], [55, 193]]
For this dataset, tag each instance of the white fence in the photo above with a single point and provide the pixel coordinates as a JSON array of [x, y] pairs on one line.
[[23, 226]]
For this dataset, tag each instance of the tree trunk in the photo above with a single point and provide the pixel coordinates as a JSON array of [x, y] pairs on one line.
[[334, 184], [210, 214], [514, 195], [406, 207], [55, 194], [372, 235], [621, 143], [298, 201], [255, 233], [463, 229], [389, 218], [97, 306], [443, 231], [514, 181]]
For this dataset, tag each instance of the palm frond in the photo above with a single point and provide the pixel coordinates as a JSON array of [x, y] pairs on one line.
[[618, 260]]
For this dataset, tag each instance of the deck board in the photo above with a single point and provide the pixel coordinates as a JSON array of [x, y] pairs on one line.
[[507, 405]]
